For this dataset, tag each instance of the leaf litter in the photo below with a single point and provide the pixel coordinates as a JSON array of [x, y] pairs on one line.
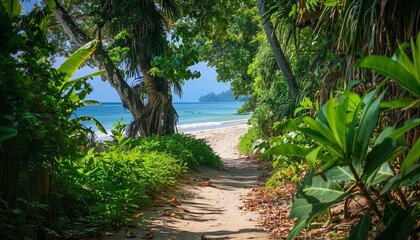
[[274, 204]]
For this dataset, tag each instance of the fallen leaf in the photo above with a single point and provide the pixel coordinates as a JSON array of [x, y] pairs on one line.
[[206, 183], [174, 202], [166, 214], [130, 234]]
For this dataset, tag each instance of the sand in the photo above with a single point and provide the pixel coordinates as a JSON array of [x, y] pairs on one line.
[[207, 204]]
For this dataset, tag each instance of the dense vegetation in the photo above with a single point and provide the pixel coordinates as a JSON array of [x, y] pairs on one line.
[[225, 96], [334, 88], [55, 181]]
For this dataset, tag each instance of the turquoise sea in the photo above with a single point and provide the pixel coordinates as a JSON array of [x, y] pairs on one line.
[[193, 116]]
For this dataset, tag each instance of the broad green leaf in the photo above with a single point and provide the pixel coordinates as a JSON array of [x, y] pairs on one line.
[[12, 7], [90, 75], [323, 135], [324, 191], [73, 63], [311, 157], [392, 133], [336, 117], [378, 156], [411, 176], [399, 225], [328, 165], [94, 120], [7, 133], [412, 157], [286, 149], [393, 70], [289, 124], [403, 59], [316, 195], [382, 174], [354, 102], [368, 121], [409, 124], [298, 227], [415, 50], [383, 135], [315, 135], [399, 103], [361, 231], [340, 174]]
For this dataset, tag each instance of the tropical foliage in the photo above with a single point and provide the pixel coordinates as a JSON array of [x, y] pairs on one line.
[[339, 139], [53, 184], [351, 159]]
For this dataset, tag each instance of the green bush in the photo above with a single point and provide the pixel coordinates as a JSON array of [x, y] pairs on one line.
[[109, 184], [247, 140], [193, 152], [121, 177]]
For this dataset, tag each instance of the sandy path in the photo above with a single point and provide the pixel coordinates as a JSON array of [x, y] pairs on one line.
[[208, 212]]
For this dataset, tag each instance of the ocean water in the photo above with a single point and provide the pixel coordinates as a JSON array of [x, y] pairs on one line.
[[193, 116]]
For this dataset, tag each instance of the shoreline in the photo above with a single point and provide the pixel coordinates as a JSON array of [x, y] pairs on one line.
[[194, 129], [212, 126]]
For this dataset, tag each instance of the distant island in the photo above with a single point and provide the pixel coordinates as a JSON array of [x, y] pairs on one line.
[[226, 96]]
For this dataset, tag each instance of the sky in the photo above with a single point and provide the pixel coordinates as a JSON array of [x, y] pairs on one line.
[[193, 89]]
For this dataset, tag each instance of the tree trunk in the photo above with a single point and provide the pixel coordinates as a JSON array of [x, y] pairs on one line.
[[148, 120], [102, 60], [149, 81], [281, 60]]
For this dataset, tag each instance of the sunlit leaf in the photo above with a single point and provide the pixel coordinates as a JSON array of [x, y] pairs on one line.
[[340, 174], [12, 7], [73, 63], [311, 157], [393, 70]]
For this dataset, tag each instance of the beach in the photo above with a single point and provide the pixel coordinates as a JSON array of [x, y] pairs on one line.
[[193, 117]]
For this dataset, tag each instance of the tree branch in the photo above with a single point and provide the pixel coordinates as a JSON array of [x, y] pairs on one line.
[[101, 59]]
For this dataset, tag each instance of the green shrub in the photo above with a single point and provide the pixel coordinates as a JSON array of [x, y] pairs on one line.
[[108, 185], [120, 178], [247, 140], [193, 152]]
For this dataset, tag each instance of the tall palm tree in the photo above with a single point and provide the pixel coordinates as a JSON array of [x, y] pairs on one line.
[[146, 22], [281, 60]]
